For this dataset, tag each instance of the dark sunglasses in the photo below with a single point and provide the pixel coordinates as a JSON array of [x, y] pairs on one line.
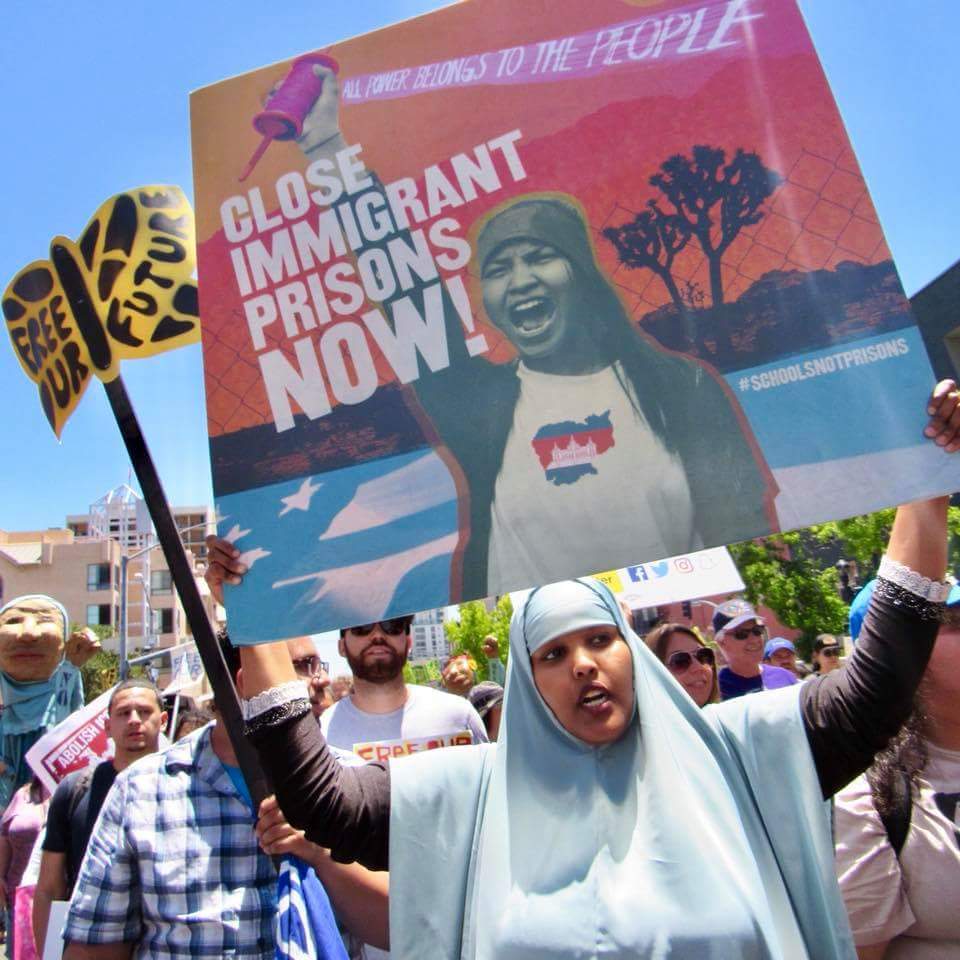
[[681, 660], [307, 666], [830, 652], [743, 634], [392, 628]]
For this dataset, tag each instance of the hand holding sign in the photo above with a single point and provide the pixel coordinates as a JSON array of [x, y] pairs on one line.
[[944, 412], [223, 565]]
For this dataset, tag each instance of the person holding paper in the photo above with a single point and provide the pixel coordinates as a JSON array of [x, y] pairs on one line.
[[896, 827], [535, 847], [173, 869]]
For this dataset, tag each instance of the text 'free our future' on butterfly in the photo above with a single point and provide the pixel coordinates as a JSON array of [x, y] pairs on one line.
[[123, 290]]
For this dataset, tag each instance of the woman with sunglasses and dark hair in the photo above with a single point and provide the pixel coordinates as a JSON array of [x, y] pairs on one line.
[[690, 661], [826, 653]]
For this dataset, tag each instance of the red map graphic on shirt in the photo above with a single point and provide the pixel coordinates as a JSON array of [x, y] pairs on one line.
[[567, 450]]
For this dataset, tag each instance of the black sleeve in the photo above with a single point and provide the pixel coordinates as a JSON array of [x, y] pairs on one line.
[[850, 714], [57, 839], [346, 809]]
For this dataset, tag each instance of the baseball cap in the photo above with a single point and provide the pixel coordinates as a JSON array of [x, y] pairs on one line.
[[777, 643], [485, 696], [729, 615], [858, 609]]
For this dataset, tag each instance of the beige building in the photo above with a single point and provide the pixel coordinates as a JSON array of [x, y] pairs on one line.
[[82, 573], [81, 567]]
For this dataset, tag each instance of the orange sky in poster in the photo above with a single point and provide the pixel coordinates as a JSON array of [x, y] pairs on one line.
[[598, 138]]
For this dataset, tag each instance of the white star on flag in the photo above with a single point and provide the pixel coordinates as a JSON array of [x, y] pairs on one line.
[[250, 557], [235, 533], [301, 499]]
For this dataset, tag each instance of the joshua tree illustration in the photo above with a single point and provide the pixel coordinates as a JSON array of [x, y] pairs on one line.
[[652, 239], [706, 198]]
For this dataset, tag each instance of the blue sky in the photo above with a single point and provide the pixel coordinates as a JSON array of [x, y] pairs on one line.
[[96, 100]]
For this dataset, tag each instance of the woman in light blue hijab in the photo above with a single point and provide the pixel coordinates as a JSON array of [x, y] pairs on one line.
[[592, 844], [613, 817]]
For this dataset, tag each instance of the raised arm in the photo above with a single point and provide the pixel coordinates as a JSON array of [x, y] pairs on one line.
[[850, 714], [346, 809]]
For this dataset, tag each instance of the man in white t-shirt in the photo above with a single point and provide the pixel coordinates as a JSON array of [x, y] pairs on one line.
[[384, 717]]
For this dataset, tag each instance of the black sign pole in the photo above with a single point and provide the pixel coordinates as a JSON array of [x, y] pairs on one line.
[[224, 690]]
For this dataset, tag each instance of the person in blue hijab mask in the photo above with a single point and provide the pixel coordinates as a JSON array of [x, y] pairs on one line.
[[613, 817], [40, 682]]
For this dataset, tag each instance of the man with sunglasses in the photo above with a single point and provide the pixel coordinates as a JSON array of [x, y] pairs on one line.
[[742, 635], [385, 717]]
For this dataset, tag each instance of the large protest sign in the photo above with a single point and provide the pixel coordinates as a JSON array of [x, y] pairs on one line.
[[503, 298]]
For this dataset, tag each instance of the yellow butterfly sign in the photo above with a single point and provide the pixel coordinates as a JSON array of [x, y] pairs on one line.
[[123, 290]]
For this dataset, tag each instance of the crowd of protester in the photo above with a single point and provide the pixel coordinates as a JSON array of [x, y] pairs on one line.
[[610, 750]]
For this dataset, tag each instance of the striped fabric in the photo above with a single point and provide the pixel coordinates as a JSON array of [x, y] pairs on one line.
[[173, 865], [306, 928]]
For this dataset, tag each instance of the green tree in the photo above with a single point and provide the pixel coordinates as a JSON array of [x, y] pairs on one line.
[[476, 622], [786, 574], [864, 538], [102, 670], [795, 575], [99, 674]]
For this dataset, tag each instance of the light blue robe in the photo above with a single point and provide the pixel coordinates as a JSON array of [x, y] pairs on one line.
[[698, 834]]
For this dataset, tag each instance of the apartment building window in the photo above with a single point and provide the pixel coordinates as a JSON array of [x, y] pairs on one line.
[[160, 581], [98, 576], [98, 614], [163, 620]]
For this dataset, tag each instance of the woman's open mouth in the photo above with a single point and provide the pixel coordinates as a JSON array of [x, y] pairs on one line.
[[532, 316], [595, 700]]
